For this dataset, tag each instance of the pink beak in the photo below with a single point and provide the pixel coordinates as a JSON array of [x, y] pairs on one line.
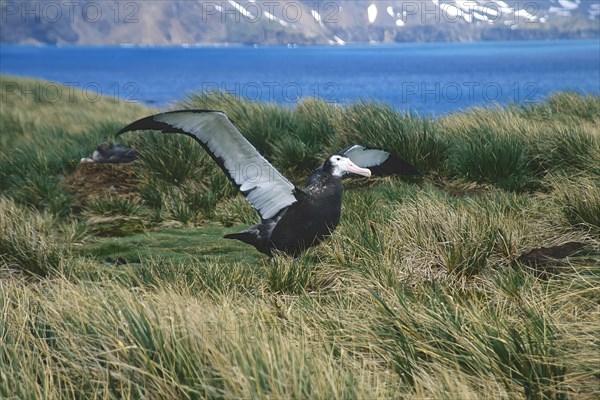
[[355, 169]]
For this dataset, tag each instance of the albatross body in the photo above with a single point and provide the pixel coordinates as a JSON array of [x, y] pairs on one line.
[[305, 223], [292, 220]]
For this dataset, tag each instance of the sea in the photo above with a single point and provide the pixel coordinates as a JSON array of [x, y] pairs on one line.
[[423, 78]]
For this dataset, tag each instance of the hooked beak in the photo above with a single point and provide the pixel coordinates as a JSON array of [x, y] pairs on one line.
[[355, 169]]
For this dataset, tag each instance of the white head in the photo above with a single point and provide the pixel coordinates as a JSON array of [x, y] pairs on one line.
[[340, 166]]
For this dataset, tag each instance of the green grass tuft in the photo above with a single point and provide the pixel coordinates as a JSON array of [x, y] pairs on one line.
[[580, 201], [489, 156], [25, 242]]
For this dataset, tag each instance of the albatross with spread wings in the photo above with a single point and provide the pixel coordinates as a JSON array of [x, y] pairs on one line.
[[292, 220]]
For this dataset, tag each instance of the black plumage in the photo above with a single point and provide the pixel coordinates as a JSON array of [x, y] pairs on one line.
[[305, 223]]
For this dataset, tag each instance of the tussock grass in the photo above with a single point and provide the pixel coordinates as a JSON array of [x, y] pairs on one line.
[[26, 244], [570, 149], [437, 327], [171, 158], [420, 293], [114, 206], [580, 201], [565, 106], [409, 136], [461, 240], [235, 211], [493, 156], [170, 344], [44, 193]]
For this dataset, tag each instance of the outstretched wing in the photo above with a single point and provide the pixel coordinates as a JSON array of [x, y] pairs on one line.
[[264, 187], [380, 162]]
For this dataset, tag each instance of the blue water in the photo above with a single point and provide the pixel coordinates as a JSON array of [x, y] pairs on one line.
[[430, 78]]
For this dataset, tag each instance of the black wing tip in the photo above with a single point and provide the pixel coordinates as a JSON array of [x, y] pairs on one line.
[[149, 123], [191, 110], [140, 124], [395, 165]]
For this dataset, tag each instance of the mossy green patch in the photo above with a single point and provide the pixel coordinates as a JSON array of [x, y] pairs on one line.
[[205, 243]]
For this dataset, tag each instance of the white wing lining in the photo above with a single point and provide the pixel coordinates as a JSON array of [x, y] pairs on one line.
[[364, 157], [264, 187]]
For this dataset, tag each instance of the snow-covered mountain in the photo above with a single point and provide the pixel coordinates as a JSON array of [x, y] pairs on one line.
[[293, 21]]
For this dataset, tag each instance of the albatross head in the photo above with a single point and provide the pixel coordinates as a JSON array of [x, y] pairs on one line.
[[101, 150], [341, 166]]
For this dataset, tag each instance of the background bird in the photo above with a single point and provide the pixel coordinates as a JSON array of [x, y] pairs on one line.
[[114, 153]]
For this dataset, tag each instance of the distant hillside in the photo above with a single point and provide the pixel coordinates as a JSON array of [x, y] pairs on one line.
[[293, 21]]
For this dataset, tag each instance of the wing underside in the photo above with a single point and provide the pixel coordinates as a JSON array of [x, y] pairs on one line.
[[380, 162], [264, 187]]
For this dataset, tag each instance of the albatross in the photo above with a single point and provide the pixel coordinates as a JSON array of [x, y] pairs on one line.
[[114, 153], [292, 220]]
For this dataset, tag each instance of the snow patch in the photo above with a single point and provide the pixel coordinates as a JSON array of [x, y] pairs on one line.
[[372, 13]]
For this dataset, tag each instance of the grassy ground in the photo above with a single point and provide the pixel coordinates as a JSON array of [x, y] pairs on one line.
[[480, 280]]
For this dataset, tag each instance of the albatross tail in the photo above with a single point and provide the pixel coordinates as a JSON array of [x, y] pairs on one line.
[[253, 238], [246, 237]]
